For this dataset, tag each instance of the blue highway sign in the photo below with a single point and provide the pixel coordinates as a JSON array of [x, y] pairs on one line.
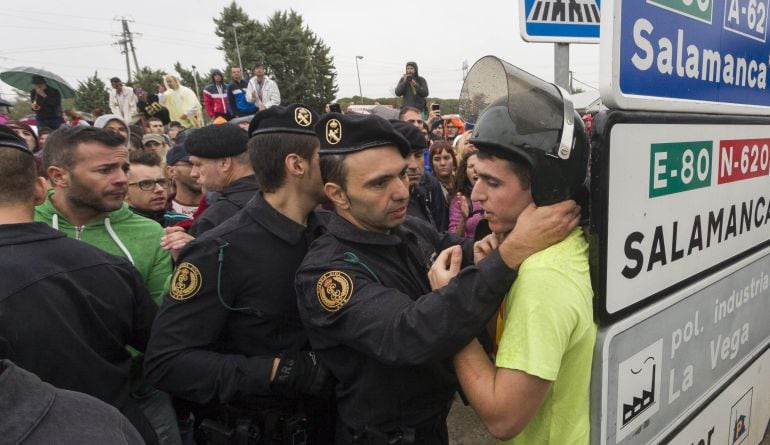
[[566, 21]]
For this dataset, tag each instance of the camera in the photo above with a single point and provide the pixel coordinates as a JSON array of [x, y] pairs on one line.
[[409, 77]]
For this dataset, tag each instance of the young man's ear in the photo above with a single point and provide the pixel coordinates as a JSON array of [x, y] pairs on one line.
[[337, 195], [58, 176], [295, 165]]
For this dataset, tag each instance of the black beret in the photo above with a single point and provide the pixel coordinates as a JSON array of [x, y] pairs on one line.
[[348, 133], [412, 134], [294, 118], [9, 138], [216, 141]]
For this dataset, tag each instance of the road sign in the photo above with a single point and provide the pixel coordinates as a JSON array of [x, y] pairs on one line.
[[740, 412], [686, 55], [663, 363], [672, 197], [562, 21]]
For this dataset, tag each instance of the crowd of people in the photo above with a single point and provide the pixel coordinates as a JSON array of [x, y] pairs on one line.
[[283, 276]]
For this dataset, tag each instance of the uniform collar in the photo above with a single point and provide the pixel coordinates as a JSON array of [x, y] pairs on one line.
[[14, 234], [277, 223], [343, 229], [244, 184]]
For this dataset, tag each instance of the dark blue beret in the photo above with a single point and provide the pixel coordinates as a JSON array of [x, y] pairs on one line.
[[348, 133]]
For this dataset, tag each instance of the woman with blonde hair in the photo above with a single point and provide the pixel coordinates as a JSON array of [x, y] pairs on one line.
[[182, 103]]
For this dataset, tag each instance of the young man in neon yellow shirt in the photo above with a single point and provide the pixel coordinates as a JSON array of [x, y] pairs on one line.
[[537, 391]]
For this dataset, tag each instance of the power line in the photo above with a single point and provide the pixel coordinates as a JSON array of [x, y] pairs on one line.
[[126, 40]]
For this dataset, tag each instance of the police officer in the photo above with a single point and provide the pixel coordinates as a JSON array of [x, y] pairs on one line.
[[378, 291], [220, 164], [228, 331], [67, 309]]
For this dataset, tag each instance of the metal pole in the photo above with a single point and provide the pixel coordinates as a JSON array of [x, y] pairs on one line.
[[561, 65], [360, 93], [237, 49], [195, 80]]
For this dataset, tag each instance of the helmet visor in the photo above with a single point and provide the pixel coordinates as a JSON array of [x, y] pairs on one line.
[[534, 105]]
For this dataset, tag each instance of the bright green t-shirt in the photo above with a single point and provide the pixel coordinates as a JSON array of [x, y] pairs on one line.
[[549, 332]]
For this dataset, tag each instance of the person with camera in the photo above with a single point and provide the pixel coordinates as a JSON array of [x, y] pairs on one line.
[[412, 88]]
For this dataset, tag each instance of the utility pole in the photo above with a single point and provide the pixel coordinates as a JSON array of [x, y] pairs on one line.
[[126, 42]]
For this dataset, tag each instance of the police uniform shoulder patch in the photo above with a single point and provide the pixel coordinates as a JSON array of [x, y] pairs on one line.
[[333, 290], [186, 281], [333, 131], [303, 117]]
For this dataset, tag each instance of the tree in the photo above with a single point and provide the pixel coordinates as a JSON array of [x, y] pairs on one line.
[[297, 59], [91, 94], [149, 79]]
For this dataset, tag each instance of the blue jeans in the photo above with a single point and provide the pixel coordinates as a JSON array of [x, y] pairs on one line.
[[158, 409]]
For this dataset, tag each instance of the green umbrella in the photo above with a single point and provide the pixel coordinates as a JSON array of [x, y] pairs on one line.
[[21, 78]]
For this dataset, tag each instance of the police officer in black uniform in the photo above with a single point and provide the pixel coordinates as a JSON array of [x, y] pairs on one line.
[[380, 292], [67, 309], [228, 331], [220, 164]]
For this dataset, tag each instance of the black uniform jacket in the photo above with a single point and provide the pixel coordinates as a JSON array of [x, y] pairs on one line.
[[217, 342], [370, 313], [68, 310], [230, 200]]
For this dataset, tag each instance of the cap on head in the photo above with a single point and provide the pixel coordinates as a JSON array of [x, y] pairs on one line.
[[412, 135], [349, 133], [176, 154], [9, 139], [294, 118], [152, 137], [104, 119], [216, 141]]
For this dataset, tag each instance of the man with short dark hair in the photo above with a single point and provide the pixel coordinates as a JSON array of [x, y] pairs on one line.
[[123, 101], [426, 198], [187, 192], [148, 189], [382, 326], [155, 126], [88, 169], [209, 344], [236, 94], [220, 164], [46, 103], [67, 310], [262, 91], [533, 150]]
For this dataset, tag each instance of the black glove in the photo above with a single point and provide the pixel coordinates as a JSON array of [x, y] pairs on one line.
[[300, 372]]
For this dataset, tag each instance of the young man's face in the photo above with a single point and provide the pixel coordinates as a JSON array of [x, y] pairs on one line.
[[117, 85], [259, 71], [377, 189], [235, 74], [156, 127], [500, 193], [99, 180], [180, 172], [153, 146], [413, 118], [218, 78], [410, 69], [117, 127], [414, 167], [152, 200]]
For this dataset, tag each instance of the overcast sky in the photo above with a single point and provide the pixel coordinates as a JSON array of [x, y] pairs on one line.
[[75, 38]]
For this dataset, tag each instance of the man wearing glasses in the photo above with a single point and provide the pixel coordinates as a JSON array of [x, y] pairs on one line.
[[148, 189]]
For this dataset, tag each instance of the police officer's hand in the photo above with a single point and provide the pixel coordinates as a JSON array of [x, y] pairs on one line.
[[300, 372], [537, 228], [446, 267], [174, 240]]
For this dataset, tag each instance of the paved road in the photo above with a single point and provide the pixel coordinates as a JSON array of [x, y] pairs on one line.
[[465, 428]]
